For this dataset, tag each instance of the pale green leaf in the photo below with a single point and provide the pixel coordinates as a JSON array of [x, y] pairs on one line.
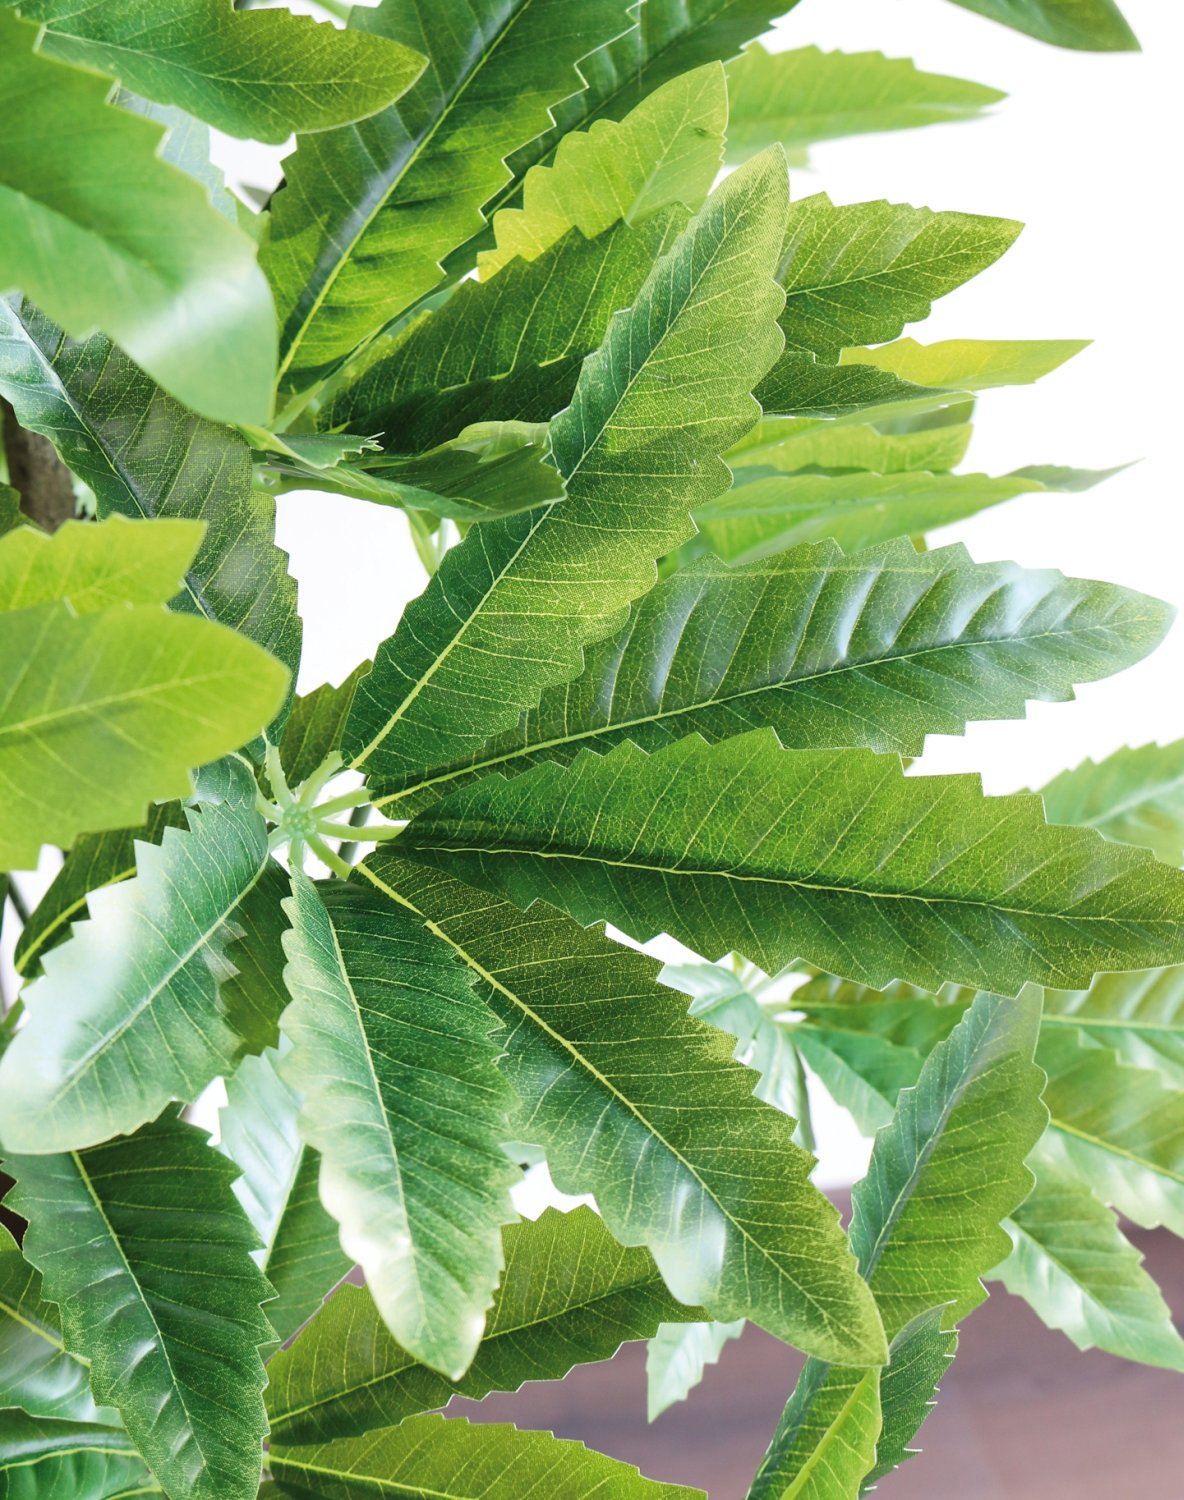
[[369, 211], [788, 444], [969, 364], [167, 277], [428, 1457], [1138, 1015], [144, 455], [259, 74], [919, 878], [144, 1249], [117, 1030], [666, 151], [677, 1357], [1133, 797], [510, 609], [804, 96], [393, 1058], [570, 1294], [879, 649], [301, 1255], [96, 567], [1074, 1265], [598, 1055]]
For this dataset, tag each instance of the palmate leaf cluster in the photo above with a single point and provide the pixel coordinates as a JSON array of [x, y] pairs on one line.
[[670, 456]]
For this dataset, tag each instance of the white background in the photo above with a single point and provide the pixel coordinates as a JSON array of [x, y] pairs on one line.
[[1086, 151]]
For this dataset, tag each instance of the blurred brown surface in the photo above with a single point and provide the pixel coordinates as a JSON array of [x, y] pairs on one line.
[[1023, 1415]]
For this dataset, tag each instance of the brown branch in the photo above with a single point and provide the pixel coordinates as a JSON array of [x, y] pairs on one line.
[[37, 474]]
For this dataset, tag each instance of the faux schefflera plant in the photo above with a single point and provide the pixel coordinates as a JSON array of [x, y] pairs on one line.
[[534, 276]]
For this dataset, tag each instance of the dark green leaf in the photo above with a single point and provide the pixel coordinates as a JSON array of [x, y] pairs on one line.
[[144, 455], [393, 1058], [44, 1459], [115, 1032], [427, 1457], [921, 878], [804, 96], [1090, 25], [878, 649], [166, 276], [260, 74], [146, 1252], [301, 1255], [510, 609], [598, 1055], [369, 211], [316, 724], [570, 1295], [921, 1354]]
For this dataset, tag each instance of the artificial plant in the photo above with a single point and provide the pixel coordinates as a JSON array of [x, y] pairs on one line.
[[670, 465]]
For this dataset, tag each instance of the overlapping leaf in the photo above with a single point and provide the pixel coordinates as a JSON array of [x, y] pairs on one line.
[[260, 75], [789, 444], [888, 877], [141, 1244], [598, 1055], [1138, 1015], [1133, 797], [315, 726], [37, 1371], [877, 649], [570, 1295], [436, 1456], [961, 1134], [665, 151], [96, 567], [369, 211], [145, 456], [510, 610], [393, 1058], [804, 96], [1073, 1264], [189, 302], [301, 1255], [677, 1357], [116, 1031], [46, 1459]]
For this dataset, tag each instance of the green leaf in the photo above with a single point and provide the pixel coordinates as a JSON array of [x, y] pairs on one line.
[[96, 567], [315, 726], [1075, 1266], [144, 1249], [114, 1032], [37, 1371], [1115, 1128], [804, 96], [877, 649], [1139, 1016], [969, 364], [1133, 797], [99, 713], [1089, 25], [189, 302], [921, 1353], [369, 211], [392, 1055], [44, 1459], [799, 385], [510, 348], [666, 151], [570, 1295], [923, 879], [857, 273], [826, 1442], [258, 74], [924, 1225], [510, 609], [789, 444], [597, 1054], [489, 469], [253, 993], [677, 1357], [301, 1256], [432, 1456], [145, 456], [766, 512], [95, 861]]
